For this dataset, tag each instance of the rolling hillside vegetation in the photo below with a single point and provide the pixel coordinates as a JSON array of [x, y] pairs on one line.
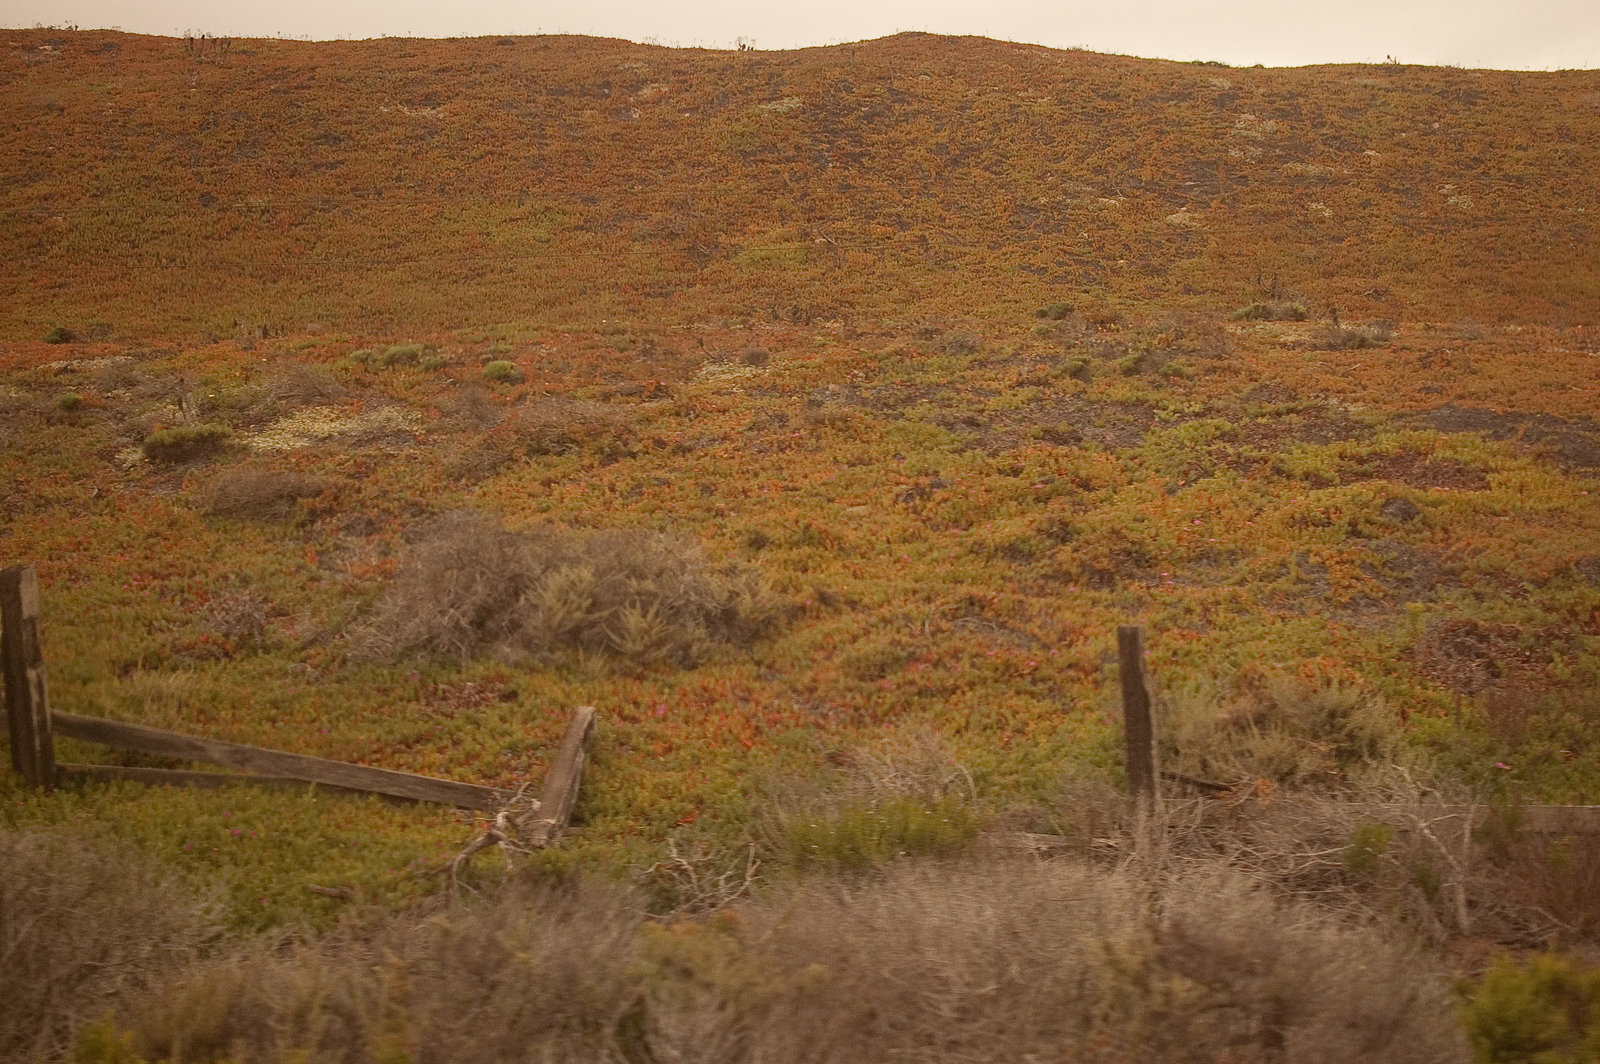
[[817, 416]]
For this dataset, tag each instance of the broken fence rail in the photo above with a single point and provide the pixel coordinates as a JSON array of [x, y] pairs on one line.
[[32, 728]]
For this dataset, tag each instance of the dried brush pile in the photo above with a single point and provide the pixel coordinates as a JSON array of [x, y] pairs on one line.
[[469, 586], [931, 962], [82, 926]]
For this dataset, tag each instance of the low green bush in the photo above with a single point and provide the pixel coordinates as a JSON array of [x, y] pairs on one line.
[[69, 401], [60, 335], [862, 836], [1543, 1011], [183, 443], [402, 355], [501, 371], [1054, 311]]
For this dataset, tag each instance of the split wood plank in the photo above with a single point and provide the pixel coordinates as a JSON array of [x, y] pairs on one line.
[[277, 763], [559, 794], [27, 702]]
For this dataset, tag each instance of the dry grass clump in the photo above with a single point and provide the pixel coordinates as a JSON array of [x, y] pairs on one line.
[[1342, 338], [294, 387], [556, 425], [239, 617], [1391, 845], [534, 975], [82, 926], [186, 443], [256, 494], [469, 586], [471, 407], [1270, 311], [1281, 729], [1020, 961], [934, 962], [550, 425]]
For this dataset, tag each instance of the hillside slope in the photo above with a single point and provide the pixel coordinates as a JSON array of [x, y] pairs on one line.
[[154, 185]]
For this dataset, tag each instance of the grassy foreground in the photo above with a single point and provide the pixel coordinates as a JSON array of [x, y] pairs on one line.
[[829, 490]]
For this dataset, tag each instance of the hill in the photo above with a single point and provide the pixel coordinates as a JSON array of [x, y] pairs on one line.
[[400, 185], [818, 417]]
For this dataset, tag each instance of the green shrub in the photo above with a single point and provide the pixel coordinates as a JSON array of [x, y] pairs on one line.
[[401, 355], [502, 372], [60, 335], [1545, 1011], [363, 355], [861, 836], [1130, 365], [1271, 312], [69, 401], [1076, 368], [1369, 841], [1054, 311], [433, 362], [183, 443]]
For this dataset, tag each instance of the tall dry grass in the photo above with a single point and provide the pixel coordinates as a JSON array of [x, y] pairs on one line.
[[928, 961], [82, 927]]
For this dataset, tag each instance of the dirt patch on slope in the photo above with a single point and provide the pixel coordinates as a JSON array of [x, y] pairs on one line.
[[1574, 444]]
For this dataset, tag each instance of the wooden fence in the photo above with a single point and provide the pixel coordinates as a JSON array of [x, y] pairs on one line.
[[34, 727], [1144, 774]]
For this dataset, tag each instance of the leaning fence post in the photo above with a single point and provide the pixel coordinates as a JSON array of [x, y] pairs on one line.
[[27, 706], [1138, 730]]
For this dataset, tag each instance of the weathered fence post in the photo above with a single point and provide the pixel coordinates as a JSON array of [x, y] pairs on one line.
[[27, 705], [1138, 730]]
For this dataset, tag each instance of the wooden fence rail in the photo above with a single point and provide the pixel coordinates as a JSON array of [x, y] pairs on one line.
[[33, 728], [269, 763]]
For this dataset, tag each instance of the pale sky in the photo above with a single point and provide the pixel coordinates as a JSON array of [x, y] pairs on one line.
[[1525, 34]]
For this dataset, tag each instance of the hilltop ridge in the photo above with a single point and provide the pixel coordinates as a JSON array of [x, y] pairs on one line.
[[157, 185]]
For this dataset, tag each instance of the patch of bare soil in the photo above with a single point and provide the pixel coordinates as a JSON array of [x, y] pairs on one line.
[[1419, 471], [1575, 444], [1319, 427], [1071, 422], [1470, 657], [1407, 573]]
